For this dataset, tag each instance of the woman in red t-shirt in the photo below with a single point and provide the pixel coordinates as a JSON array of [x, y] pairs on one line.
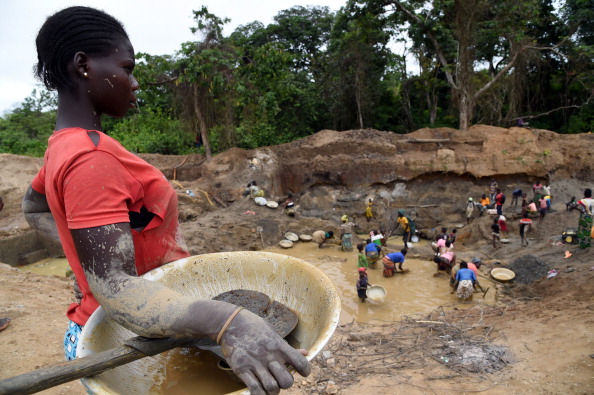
[[116, 215]]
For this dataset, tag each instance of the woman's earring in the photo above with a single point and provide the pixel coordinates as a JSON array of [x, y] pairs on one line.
[[85, 74]]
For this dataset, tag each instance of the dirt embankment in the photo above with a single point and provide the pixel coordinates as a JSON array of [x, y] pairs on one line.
[[544, 325], [431, 172]]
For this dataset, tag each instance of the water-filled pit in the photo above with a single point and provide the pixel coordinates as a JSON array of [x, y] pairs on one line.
[[410, 293]]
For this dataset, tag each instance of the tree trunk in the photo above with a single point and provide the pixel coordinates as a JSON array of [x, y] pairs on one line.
[[431, 99], [201, 124], [433, 109], [408, 118], [358, 99], [465, 111]]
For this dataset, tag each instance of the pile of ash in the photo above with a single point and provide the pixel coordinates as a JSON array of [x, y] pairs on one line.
[[528, 269], [475, 356]]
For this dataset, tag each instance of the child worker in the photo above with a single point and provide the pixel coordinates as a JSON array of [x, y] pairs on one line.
[[495, 229], [116, 215], [362, 284], [361, 257]]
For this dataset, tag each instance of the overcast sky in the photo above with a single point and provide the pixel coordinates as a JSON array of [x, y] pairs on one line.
[[157, 27]]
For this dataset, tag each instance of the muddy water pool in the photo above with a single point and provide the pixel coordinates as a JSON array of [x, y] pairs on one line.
[[49, 267], [410, 293]]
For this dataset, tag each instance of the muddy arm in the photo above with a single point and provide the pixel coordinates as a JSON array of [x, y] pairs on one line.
[[254, 351], [38, 214], [147, 308]]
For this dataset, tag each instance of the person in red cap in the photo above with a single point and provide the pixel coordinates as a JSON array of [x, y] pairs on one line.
[[362, 284]]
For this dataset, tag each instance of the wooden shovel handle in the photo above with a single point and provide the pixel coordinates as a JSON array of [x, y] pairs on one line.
[[134, 349]]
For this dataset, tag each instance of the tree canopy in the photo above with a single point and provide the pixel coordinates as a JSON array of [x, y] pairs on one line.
[[385, 64]]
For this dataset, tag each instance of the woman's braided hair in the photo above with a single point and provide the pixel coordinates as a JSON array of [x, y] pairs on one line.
[[71, 30]]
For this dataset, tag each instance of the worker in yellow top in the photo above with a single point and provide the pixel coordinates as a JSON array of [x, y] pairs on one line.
[[403, 222], [368, 210]]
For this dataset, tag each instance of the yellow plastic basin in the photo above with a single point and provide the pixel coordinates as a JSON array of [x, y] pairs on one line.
[[502, 274], [297, 284]]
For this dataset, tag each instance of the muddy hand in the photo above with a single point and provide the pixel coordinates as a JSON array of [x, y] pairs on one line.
[[258, 355]]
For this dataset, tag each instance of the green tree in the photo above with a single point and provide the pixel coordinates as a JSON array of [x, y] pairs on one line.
[[25, 130], [358, 62], [156, 75], [265, 84], [280, 75], [305, 31], [578, 16], [153, 132], [206, 80], [457, 32]]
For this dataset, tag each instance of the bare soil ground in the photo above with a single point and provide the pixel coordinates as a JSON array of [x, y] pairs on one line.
[[537, 339]]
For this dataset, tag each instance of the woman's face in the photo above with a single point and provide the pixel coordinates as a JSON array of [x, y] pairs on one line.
[[111, 84]]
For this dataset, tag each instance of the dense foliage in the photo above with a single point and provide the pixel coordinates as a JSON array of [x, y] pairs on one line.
[[311, 69]]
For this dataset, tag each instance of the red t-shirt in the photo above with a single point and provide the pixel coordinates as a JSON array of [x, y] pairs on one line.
[[498, 199], [88, 186]]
